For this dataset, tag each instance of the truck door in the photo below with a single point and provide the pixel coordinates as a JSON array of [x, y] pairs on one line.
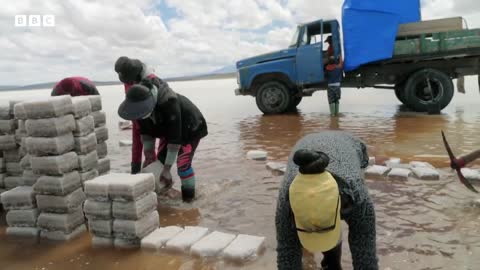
[[309, 55]]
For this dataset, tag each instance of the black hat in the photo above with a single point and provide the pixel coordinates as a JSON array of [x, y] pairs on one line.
[[139, 102], [128, 69]]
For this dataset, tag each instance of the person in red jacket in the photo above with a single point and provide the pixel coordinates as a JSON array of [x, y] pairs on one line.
[[130, 72], [334, 74], [75, 86]]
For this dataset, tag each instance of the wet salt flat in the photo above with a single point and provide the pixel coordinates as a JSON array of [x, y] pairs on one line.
[[420, 224]]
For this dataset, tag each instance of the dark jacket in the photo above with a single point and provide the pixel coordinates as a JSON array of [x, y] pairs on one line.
[[177, 119]]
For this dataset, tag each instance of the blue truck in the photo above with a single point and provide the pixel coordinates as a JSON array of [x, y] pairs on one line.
[[427, 57]]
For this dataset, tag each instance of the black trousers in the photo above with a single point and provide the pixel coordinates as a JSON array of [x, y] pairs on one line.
[[332, 259]]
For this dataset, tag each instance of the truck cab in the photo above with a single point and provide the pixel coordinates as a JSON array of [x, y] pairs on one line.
[[280, 79]]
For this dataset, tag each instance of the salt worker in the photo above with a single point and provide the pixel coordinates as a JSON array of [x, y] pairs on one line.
[[132, 71], [175, 120], [75, 86], [334, 75], [324, 184]]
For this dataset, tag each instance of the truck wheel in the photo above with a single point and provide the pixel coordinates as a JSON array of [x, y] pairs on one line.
[[417, 90], [400, 92], [273, 97]]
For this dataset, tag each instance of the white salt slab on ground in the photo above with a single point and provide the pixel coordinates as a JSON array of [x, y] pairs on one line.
[[101, 227], [102, 242], [399, 174], [48, 107], [50, 127], [159, 237], [25, 163], [85, 144], [377, 170], [425, 173], [102, 134], [135, 209], [55, 165], [133, 229], [14, 169], [11, 182], [470, 174], [63, 236], [23, 232], [125, 143], [19, 198], [22, 218], [96, 102], [395, 160], [98, 210], [84, 126], [58, 185], [29, 178], [244, 248], [8, 126], [100, 118], [420, 164], [123, 125], [81, 106], [37, 146], [257, 155], [184, 240], [61, 222], [7, 142], [97, 189], [88, 162], [129, 187], [121, 243], [102, 149], [212, 244], [14, 155], [276, 166], [89, 175], [394, 165], [61, 204], [371, 161], [103, 166]]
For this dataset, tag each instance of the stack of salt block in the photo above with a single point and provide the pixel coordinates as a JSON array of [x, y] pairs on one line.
[[121, 209], [101, 131], [50, 144], [22, 212]]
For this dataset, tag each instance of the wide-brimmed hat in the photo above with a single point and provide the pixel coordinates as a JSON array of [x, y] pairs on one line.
[[138, 103]]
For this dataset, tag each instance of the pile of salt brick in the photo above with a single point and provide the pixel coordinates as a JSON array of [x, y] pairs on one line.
[[121, 209], [101, 132], [394, 169]]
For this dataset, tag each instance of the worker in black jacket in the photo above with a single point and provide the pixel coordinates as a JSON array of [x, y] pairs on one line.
[[162, 113]]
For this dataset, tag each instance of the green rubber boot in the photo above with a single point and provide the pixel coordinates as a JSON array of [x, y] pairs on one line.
[[337, 108], [332, 109]]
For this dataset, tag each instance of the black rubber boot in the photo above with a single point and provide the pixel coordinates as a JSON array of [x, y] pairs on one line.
[[188, 194]]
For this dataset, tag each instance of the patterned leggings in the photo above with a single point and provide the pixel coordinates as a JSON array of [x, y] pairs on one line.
[[184, 159]]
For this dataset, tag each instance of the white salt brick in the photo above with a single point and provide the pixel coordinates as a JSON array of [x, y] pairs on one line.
[[98, 210], [425, 173], [102, 134], [86, 144], [121, 243], [276, 166], [103, 166], [58, 185], [394, 161], [420, 164], [19, 111], [23, 232], [81, 106], [84, 126], [472, 175], [22, 218], [25, 163], [61, 204], [55, 165], [63, 236], [14, 169], [22, 125], [129, 187], [29, 178], [244, 248], [37, 146], [394, 165], [257, 155], [12, 182], [7, 142], [102, 150], [50, 127], [377, 171], [97, 189], [19, 198], [212, 244], [14, 155], [61, 222], [158, 238], [20, 137], [399, 174], [96, 102], [135, 209], [88, 175], [101, 227], [184, 240], [133, 229], [88, 162], [8, 126], [100, 118], [102, 242], [123, 125], [48, 107], [125, 143]]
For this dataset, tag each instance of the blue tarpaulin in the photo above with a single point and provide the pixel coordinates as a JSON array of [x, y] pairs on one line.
[[370, 27]]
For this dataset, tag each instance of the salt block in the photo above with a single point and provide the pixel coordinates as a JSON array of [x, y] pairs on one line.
[[123, 125], [159, 237], [88, 162], [2, 180], [20, 137], [84, 126], [156, 169], [399, 174], [12, 182], [22, 218], [184, 240], [470, 174], [97, 189], [22, 125], [61, 222], [96, 102], [14, 155], [81, 106], [63, 236], [395, 160], [102, 134], [419, 164], [212, 244], [48, 107], [29, 178], [102, 150], [7, 142], [25, 163], [257, 155], [50, 127], [8, 126], [5, 111], [371, 161], [129, 187], [98, 210], [55, 165], [101, 227], [425, 173], [276, 166], [89, 175], [19, 198], [14, 169], [23, 232], [37, 146], [85, 144], [58, 185], [133, 229], [121, 243], [124, 143], [19, 111], [244, 248], [102, 242], [135, 209], [100, 118], [376, 171], [61, 204]]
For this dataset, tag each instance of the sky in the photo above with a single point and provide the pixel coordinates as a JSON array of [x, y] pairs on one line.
[[175, 37]]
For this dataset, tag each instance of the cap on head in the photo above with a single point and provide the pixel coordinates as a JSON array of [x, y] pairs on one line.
[[128, 69]]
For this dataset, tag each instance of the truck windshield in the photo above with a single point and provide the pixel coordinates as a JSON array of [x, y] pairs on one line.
[[294, 41]]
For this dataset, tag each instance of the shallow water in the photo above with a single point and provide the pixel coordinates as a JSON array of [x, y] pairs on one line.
[[421, 225]]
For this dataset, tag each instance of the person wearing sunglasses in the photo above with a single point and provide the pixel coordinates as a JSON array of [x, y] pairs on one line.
[[175, 120], [324, 184]]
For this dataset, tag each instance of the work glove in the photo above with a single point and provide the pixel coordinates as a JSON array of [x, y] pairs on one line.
[[136, 168]]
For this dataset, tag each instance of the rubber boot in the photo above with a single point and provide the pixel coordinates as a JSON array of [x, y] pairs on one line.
[[188, 194], [332, 109], [337, 108]]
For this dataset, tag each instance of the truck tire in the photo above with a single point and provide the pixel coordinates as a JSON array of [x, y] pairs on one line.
[[417, 93], [273, 97], [400, 92]]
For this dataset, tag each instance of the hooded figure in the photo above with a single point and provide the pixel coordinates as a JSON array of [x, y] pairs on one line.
[[75, 86]]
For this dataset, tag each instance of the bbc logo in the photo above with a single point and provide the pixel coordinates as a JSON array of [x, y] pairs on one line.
[[34, 20]]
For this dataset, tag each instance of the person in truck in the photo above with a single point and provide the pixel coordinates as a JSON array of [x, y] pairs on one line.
[[175, 120], [74, 86], [334, 74]]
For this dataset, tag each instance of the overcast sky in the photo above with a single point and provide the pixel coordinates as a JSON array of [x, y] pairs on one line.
[[176, 37]]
